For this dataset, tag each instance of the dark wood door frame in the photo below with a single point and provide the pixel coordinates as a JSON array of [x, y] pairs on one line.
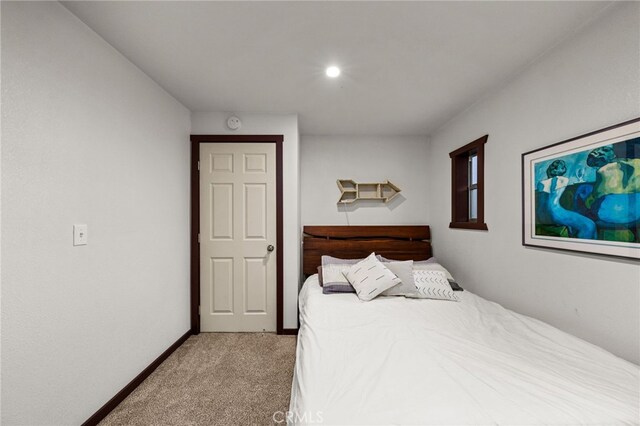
[[196, 140]]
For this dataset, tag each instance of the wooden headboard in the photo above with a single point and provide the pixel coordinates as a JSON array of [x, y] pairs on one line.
[[400, 242]]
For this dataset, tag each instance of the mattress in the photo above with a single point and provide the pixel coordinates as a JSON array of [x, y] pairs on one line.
[[405, 361]]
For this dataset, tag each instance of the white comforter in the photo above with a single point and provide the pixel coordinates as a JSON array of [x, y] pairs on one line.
[[405, 361]]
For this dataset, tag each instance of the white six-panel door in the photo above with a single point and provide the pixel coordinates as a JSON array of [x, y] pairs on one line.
[[237, 226]]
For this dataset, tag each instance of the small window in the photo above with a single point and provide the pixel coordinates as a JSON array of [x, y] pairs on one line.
[[467, 186], [473, 187]]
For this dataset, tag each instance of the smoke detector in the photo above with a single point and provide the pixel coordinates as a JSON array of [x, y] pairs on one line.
[[234, 123]]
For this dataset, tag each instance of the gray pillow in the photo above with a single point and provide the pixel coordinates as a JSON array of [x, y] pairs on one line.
[[333, 279], [454, 286], [404, 271], [326, 260]]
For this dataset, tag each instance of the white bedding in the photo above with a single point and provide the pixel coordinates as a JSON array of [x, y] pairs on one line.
[[405, 361]]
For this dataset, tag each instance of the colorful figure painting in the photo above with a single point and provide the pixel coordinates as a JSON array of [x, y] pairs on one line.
[[584, 194]]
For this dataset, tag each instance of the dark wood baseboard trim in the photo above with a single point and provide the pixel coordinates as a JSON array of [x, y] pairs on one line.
[[289, 331], [120, 396]]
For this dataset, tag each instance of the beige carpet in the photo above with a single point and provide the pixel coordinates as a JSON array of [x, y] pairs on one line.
[[215, 379]]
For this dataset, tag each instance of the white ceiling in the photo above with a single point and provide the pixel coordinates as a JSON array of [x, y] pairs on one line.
[[408, 67]]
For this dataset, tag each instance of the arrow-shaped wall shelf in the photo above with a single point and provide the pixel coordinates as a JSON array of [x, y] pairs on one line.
[[379, 191]]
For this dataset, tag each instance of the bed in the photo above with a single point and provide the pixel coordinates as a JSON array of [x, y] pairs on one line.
[[396, 360]]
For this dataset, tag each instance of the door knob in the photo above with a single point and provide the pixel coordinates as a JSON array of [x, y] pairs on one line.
[[270, 247]]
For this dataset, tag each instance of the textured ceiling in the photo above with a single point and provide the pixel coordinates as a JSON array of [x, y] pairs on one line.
[[408, 67]]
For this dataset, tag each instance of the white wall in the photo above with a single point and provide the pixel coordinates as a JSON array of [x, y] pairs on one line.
[[86, 138], [401, 160], [586, 83], [214, 123]]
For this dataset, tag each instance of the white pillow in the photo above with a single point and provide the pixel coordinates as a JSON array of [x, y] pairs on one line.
[[404, 271], [370, 278], [334, 272], [433, 285]]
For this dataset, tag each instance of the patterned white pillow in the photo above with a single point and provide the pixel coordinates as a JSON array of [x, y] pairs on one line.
[[432, 285], [370, 277]]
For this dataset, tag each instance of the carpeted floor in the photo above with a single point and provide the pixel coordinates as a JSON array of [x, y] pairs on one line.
[[215, 379]]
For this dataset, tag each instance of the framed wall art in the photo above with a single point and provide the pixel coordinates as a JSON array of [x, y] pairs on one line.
[[583, 194]]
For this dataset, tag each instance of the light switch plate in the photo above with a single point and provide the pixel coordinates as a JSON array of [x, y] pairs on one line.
[[80, 237]]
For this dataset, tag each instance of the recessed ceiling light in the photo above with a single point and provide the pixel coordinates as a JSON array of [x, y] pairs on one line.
[[333, 71]]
